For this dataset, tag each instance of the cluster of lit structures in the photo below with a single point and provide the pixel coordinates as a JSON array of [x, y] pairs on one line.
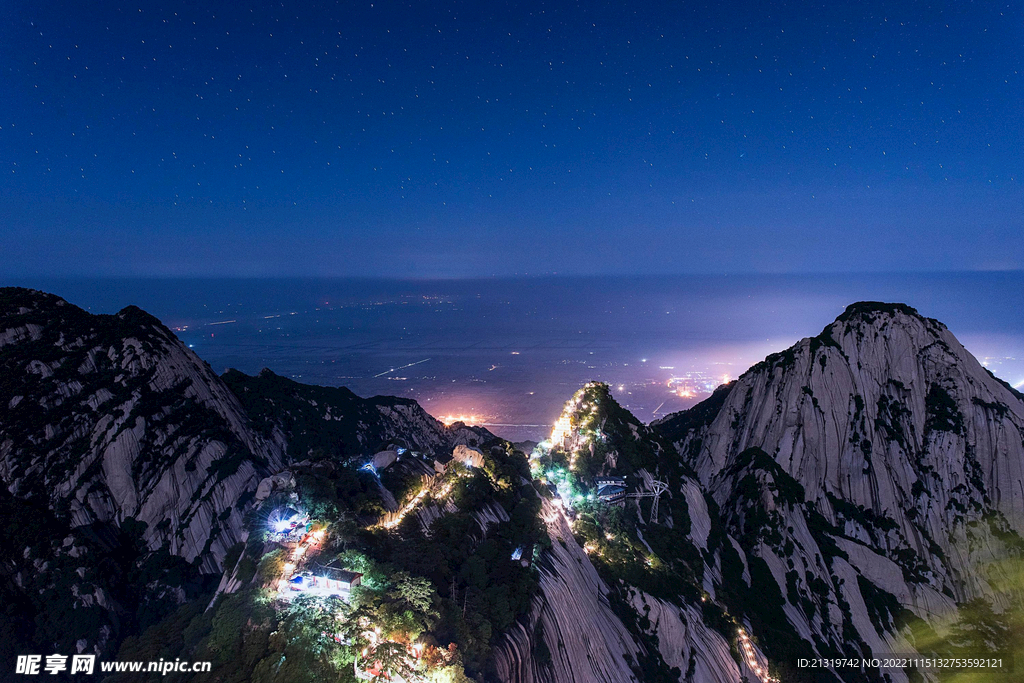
[[325, 581], [302, 542], [302, 575], [576, 429], [561, 431], [299, 574]]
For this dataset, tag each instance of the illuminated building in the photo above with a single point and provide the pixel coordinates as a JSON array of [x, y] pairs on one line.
[[610, 489], [561, 432], [329, 580]]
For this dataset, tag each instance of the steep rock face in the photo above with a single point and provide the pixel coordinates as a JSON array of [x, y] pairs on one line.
[[630, 633], [126, 466], [111, 417], [885, 411], [572, 624], [871, 468], [686, 643], [892, 379], [574, 633]]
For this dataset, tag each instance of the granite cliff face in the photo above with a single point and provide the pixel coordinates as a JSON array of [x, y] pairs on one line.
[[831, 501], [128, 465], [589, 639], [839, 499], [111, 418], [129, 461], [873, 468]]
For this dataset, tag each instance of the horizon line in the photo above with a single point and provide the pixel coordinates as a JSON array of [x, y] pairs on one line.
[[505, 276]]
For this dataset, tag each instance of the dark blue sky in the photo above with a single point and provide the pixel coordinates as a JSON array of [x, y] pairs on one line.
[[458, 138]]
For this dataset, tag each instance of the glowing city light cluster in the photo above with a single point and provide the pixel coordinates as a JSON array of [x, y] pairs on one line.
[[694, 384], [449, 420], [750, 658]]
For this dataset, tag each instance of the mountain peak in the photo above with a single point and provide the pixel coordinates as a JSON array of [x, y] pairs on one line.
[[877, 460], [134, 317], [20, 306], [17, 300], [870, 312]]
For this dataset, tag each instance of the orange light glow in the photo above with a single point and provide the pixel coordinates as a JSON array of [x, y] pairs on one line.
[[449, 420]]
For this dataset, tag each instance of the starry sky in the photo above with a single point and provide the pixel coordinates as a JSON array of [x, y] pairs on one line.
[[448, 139]]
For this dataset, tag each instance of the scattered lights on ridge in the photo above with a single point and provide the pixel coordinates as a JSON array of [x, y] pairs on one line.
[[433, 487], [750, 658]]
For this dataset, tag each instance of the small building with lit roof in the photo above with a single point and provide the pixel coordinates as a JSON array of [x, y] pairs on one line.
[[610, 489], [332, 580]]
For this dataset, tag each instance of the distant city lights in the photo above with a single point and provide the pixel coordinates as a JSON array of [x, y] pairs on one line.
[[449, 420], [691, 385]]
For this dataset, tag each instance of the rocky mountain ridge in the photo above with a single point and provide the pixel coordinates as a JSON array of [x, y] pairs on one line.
[[842, 498], [314, 421], [872, 469], [129, 466], [838, 499]]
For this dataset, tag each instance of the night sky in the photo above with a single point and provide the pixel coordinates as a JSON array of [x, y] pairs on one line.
[[473, 138]]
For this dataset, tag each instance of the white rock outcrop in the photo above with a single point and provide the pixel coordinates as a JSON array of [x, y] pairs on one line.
[[468, 456]]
